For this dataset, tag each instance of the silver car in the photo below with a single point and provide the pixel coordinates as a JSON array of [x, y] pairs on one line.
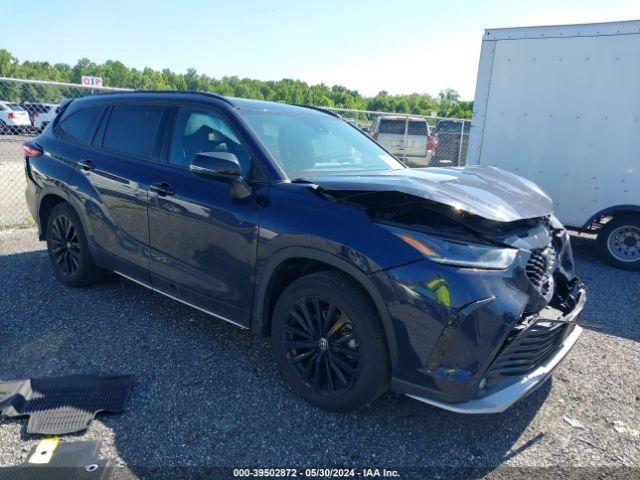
[[407, 137], [13, 119]]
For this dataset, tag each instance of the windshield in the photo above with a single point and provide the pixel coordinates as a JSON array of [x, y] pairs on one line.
[[311, 144]]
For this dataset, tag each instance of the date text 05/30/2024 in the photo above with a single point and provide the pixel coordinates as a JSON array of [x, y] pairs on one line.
[[315, 472]]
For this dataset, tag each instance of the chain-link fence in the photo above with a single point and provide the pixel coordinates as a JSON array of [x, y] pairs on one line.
[[27, 106], [420, 141]]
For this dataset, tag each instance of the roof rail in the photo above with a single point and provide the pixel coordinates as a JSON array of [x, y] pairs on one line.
[[185, 92]]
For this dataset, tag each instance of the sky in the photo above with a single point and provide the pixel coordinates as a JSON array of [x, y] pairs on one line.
[[401, 46]]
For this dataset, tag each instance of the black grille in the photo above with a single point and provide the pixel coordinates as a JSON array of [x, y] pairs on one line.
[[528, 347], [539, 269]]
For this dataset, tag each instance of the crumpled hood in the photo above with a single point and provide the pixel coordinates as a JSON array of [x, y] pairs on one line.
[[488, 192]]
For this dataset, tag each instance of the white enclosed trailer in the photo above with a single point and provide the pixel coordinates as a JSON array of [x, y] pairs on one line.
[[560, 105]]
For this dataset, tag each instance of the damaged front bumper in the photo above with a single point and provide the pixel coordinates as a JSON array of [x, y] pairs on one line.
[[499, 395], [476, 341]]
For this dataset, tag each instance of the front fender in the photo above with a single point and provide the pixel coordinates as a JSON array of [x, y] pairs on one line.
[[266, 274]]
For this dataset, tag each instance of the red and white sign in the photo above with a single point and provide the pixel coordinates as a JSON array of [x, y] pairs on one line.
[[91, 81]]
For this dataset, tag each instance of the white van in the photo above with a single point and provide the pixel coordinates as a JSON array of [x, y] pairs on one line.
[[560, 105]]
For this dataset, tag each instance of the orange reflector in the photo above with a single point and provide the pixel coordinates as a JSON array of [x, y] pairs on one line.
[[418, 246]]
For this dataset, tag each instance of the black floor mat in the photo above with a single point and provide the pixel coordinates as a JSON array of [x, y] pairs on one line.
[[58, 406], [68, 461]]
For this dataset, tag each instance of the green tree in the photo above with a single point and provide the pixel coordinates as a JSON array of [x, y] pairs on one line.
[[116, 74]]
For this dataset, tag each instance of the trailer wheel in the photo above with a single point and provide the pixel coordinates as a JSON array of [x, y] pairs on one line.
[[619, 242]]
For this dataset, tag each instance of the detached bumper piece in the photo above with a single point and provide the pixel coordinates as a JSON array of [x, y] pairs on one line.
[[59, 406], [65, 461], [525, 362]]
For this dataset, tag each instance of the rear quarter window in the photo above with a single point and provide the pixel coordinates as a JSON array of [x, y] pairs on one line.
[[80, 125], [132, 129]]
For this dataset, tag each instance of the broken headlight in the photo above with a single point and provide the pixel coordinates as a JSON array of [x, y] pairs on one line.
[[456, 253]]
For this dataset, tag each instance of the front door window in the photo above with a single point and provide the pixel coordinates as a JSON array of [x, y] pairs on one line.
[[198, 131]]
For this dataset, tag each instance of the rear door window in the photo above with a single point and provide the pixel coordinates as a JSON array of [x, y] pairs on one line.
[[79, 126], [132, 129], [453, 127], [448, 127], [395, 127]]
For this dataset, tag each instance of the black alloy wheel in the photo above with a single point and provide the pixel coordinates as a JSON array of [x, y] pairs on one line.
[[65, 244], [68, 249], [329, 342], [322, 346]]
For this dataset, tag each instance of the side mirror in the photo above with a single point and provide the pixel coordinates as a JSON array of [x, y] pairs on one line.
[[224, 166], [216, 164]]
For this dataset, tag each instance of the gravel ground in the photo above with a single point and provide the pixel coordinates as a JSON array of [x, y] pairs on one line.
[[208, 394]]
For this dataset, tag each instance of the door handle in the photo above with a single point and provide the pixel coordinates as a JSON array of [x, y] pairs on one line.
[[162, 188], [86, 165]]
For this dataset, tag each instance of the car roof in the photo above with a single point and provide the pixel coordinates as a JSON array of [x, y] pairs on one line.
[[237, 103], [40, 103], [6, 103]]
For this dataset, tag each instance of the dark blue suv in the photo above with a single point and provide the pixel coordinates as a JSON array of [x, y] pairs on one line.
[[453, 286]]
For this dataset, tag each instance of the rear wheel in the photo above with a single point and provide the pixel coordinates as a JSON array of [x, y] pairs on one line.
[[68, 249], [328, 342], [619, 242]]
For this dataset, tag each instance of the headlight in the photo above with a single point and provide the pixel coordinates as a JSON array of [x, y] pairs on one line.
[[451, 252]]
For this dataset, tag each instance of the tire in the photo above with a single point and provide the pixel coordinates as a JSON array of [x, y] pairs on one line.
[[68, 249], [345, 362], [619, 242]]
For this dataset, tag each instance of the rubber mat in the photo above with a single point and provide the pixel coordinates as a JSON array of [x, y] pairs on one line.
[[51, 460], [57, 406]]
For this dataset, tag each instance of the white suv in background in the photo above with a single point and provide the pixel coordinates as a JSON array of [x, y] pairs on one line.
[[13, 119], [408, 138]]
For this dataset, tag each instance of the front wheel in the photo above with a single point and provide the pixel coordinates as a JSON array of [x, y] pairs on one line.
[[619, 242], [328, 342]]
